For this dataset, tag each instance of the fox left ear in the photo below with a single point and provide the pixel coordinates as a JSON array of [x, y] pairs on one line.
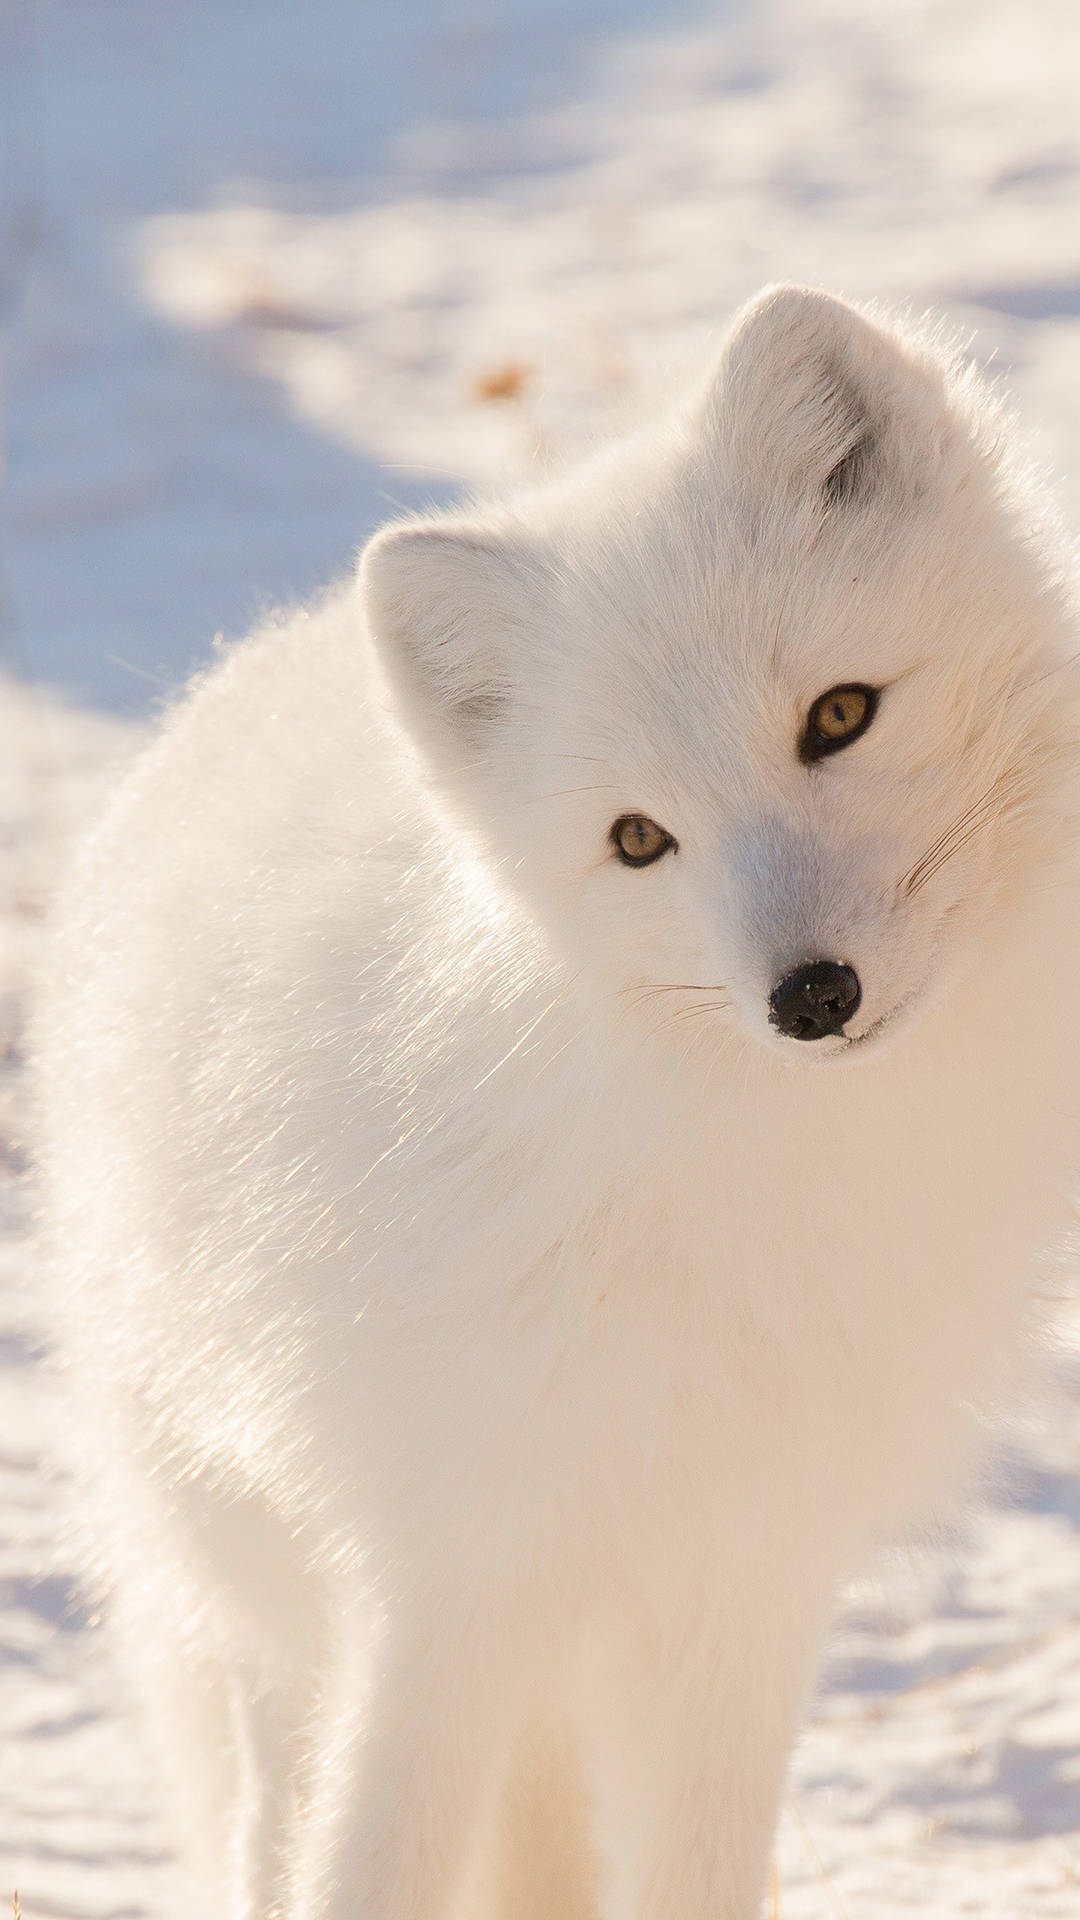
[[443, 601], [821, 401]]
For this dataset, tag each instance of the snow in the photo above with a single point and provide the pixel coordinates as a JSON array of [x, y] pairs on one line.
[[258, 270]]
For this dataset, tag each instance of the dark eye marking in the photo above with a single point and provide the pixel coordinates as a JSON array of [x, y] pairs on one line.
[[836, 719], [638, 841]]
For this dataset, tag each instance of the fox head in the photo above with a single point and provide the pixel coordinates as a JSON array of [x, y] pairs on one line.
[[756, 710]]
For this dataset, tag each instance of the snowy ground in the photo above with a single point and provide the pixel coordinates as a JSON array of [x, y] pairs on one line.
[[264, 273]]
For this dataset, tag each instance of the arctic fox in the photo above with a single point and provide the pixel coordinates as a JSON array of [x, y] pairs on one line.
[[559, 1069]]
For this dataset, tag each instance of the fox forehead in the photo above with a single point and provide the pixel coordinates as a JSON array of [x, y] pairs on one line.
[[732, 646]]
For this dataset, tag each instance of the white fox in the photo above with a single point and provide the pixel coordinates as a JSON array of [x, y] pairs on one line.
[[558, 1072]]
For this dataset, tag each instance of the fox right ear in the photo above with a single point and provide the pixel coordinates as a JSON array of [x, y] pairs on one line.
[[443, 599], [823, 401]]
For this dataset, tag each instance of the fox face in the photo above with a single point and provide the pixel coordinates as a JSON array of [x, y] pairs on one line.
[[760, 711]]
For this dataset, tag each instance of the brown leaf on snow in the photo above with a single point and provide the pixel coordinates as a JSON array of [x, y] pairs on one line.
[[501, 383]]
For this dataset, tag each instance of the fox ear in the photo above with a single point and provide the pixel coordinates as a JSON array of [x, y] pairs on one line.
[[442, 600], [819, 401]]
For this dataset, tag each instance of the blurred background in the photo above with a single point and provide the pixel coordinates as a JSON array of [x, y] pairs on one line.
[[272, 270]]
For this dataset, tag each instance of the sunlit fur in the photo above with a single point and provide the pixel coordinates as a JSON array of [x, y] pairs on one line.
[[488, 1338]]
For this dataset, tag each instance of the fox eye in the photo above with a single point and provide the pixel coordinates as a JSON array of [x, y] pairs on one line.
[[638, 841], [836, 719]]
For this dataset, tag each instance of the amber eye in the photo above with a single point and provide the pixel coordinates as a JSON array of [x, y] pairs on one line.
[[638, 841], [836, 719]]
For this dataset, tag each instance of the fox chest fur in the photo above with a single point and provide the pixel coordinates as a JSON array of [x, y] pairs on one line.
[[561, 1290]]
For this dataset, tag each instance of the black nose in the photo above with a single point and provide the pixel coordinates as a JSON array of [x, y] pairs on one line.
[[815, 1000]]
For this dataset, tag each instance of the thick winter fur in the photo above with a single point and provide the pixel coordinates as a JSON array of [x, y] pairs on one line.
[[489, 1337]]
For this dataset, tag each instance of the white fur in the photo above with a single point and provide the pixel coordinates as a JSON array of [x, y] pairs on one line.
[[487, 1351]]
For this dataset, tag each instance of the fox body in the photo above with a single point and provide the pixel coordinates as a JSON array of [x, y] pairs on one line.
[[546, 1128]]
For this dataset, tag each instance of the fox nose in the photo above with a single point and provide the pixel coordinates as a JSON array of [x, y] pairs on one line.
[[814, 1000]]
